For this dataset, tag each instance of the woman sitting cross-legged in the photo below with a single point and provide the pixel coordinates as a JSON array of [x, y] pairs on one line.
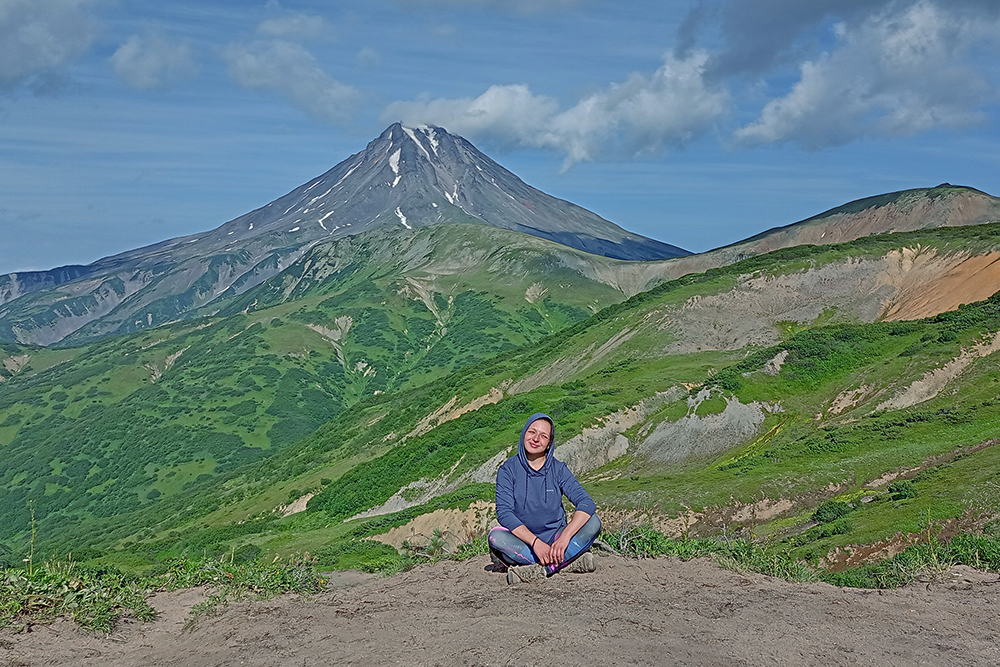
[[533, 533]]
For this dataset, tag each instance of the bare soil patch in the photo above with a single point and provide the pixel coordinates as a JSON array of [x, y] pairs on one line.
[[650, 612], [955, 280]]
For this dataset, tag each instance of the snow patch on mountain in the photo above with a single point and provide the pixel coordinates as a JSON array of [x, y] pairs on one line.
[[413, 136], [394, 165], [402, 218]]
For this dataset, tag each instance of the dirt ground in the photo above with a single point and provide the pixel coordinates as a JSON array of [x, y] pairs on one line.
[[650, 612]]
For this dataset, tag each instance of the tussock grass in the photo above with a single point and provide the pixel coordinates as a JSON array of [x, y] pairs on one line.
[[97, 597], [916, 563], [93, 597], [923, 561], [742, 554]]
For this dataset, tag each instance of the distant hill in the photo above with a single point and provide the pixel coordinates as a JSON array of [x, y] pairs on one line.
[[945, 205]]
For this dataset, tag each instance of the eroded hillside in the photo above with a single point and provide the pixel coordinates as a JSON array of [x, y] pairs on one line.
[[806, 387]]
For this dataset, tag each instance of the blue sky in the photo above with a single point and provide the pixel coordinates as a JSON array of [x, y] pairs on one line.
[[696, 122]]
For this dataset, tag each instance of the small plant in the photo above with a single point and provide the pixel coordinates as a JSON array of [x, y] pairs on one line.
[[93, 597], [831, 510], [902, 490], [476, 545], [434, 550]]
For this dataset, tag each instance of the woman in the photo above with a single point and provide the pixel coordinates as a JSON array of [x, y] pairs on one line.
[[533, 530]]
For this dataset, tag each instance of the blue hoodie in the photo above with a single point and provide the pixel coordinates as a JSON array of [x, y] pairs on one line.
[[533, 498]]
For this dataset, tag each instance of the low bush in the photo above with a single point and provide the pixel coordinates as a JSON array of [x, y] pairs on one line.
[[367, 555], [902, 490], [831, 510]]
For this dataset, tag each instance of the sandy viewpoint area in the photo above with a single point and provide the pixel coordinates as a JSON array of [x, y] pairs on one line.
[[648, 612]]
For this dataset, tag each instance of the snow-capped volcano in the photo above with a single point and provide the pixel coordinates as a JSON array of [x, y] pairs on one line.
[[407, 177], [414, 177]]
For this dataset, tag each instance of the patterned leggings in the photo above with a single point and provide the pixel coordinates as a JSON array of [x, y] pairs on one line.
[[510, 549]]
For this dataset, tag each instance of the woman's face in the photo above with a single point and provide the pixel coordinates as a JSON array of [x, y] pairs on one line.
[[537, 437]]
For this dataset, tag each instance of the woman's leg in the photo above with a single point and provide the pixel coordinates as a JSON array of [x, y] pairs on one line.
[[579, 544], [513, 551], [509, 548]]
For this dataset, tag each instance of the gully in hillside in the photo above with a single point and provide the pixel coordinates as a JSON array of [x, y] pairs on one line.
[[533, 532]]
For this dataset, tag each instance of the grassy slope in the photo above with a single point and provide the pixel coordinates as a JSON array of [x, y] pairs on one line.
[[125, 424], [357, 459]]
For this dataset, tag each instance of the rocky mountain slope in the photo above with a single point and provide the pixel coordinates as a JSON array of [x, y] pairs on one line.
[[407, 178]]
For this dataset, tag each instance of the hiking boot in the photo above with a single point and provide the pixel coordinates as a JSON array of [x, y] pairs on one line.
[[525, 573], [584, 563], [497, 564]]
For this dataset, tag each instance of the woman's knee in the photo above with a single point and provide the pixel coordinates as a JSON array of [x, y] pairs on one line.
[[592, 527], [497, 534]]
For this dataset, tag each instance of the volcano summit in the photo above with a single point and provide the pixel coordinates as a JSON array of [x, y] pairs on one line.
[[415, 177], [406, 178]]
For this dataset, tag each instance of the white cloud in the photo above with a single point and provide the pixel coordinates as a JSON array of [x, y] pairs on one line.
[[39, 35], [150, 61], [894, 75], [287, 68], [642, 115], [508, 114]]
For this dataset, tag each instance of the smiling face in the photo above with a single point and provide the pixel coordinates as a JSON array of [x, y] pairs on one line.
[[537, 439]]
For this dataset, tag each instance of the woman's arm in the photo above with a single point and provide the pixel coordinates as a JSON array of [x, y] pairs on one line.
[[505, 501], [585, 508], [525, 535], [558, 548]]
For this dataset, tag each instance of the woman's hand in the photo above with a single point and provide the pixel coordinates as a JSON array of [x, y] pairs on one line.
[[558, 548], [544, 552]]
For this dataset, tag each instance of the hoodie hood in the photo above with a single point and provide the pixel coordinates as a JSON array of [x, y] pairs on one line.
[[522, 455]]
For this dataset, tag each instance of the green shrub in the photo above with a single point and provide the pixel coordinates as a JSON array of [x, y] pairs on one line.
[[831, 510], [367, 555], [246, 553], [902, 490]]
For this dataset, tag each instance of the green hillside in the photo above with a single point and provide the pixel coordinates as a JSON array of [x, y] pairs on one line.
[[107, 429], [799, 399]]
